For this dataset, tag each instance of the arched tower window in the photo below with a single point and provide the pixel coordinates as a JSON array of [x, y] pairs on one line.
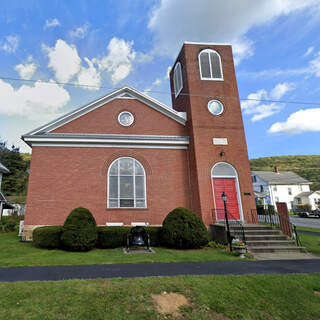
[[210, 65], [177, 79], [126, 184], [225, 179]]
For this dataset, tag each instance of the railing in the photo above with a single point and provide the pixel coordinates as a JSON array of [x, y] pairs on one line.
[[282, 223], [231, 220]]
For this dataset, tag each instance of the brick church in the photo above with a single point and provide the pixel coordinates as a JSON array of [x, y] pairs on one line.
[[129, 158]]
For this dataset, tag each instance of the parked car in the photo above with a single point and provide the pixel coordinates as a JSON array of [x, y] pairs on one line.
[[306, 214]]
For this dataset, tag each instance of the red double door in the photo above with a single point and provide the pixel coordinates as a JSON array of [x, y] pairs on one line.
[[228, 186]]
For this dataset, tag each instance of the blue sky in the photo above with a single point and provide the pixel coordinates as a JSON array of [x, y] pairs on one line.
[[107, 44]]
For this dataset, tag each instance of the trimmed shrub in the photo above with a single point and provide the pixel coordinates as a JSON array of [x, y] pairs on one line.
[[47, 237], [183, 229], [155, 234], [79, 232], [112, 237]]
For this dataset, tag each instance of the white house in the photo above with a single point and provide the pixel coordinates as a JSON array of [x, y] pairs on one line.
[[308, 197], [272, 187]]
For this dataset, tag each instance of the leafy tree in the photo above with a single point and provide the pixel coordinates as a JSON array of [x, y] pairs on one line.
[[15, 182]]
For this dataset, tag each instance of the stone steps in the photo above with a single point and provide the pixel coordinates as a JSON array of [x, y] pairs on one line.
[[264, 239]]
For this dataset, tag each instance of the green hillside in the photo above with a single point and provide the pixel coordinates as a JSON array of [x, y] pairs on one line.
[[307, 167]]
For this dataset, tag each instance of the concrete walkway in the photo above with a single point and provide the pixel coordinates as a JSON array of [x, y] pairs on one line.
[[54, 273]]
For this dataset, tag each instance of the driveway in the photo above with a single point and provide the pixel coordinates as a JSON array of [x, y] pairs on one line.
[[305, 222]]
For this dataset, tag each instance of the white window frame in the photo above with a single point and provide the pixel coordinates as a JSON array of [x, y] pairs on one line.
[[177, 73], [134, 185], [220, 64]]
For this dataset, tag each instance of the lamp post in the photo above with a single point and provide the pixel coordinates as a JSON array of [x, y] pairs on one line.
[[224, 199]]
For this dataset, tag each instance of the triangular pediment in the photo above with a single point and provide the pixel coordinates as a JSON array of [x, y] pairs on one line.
[[122, 93]]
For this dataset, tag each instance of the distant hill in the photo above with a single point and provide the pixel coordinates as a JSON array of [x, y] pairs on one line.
[[307, 167]]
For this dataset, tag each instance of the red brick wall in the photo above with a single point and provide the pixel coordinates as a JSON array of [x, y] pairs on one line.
[[104, 120], [202, 127], [62, 179]]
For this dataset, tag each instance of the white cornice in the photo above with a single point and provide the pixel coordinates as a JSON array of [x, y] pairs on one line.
[[108, 141]]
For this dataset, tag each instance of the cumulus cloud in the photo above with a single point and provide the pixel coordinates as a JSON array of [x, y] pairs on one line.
[[89, 77], [10, 44], [34, 102], [26, 70], [258, 109], [173, 22], [300, 121], [79, 32], [63, 60], [119, 59], [51, 23], [159, 81]]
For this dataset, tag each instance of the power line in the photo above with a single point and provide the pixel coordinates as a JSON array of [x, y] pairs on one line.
[[161, 92]]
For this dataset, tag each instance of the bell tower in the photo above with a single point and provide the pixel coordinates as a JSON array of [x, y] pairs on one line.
[[203, 84]]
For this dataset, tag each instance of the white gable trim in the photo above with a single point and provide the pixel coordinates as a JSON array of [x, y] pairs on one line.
[[156, 105]]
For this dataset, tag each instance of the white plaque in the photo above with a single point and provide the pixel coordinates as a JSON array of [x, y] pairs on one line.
[[220, 141]]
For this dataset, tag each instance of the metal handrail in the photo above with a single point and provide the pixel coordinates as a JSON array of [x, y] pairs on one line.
[[233, 221], [274, 220]]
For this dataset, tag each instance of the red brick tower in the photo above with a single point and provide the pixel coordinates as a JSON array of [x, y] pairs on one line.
[[203, 85]]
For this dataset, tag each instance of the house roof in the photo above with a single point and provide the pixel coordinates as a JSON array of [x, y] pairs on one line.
[[3, 169], [306, 194], [283, 177], [125, 92]]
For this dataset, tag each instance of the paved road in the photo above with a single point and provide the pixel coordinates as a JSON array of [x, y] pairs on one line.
[[306, 222], [54, 273]]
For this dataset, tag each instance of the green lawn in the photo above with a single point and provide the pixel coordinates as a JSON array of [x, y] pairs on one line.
[[309, 229], [253, 297], [16, 254], [311, 243]]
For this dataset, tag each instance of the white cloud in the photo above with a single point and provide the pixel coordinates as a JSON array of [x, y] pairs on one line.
[[27, 70], [259, 109], [118, 61], [300, 121], [215, 21], [64, 60], [89, 77], [280, 90], [315, 65], [309, 51], [79, 32], [10, 44], [51, 23], [34, 102]]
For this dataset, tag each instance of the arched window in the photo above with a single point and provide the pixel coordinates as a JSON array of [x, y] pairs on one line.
[[210, 65], [177, 79], [225, 180], [126, 184]]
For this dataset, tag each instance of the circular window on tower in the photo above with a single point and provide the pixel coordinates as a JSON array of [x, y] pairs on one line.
[[125, 118], [215, 107]]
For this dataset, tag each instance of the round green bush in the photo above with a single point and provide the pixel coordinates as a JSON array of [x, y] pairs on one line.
[[79, 232], [183, 229], [47, 237]]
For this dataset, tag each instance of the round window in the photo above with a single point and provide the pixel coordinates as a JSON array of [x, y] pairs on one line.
[[215, 107], [126, 118]]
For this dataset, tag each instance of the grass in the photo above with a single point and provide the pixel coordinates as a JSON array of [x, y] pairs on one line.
[[16, 254], [317, 230], [255, 297], [310, 242]]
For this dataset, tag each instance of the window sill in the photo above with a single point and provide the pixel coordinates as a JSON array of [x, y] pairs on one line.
[[127, 208]]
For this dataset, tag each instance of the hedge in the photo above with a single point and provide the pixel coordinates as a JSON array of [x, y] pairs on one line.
[[47, 237], [114, 237]]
